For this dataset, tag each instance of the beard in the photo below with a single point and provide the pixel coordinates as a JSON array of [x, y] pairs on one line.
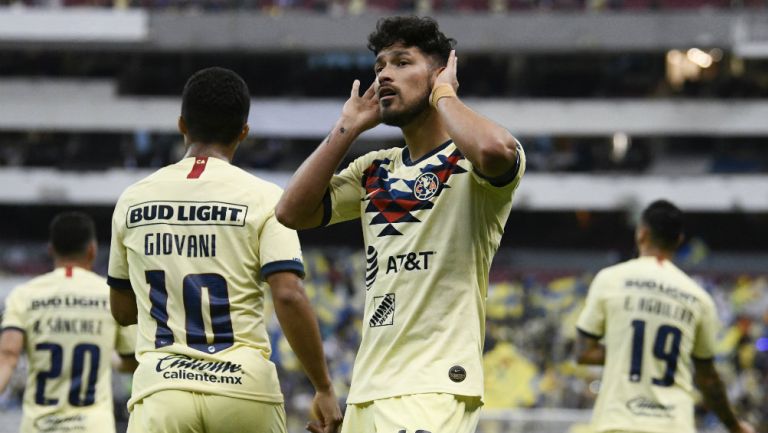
[[408, 114]]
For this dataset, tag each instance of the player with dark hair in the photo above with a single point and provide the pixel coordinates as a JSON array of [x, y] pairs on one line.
[[433, 214], [194, 247], [62, 321], [659, 329]]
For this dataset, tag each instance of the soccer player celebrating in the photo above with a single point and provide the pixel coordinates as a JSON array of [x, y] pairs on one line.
[[194, 247], [62, 320], [659, 329], [432, 214]]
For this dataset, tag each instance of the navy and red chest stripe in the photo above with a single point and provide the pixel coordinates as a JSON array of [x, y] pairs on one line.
[[393, 200]]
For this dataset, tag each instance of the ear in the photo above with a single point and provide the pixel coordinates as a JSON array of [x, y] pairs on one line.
[[182, 124], [90, 252], [641, 234], [244, 133]]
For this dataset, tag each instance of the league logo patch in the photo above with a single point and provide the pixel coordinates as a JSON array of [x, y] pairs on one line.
[[384, 310], [426, 186], [457, 373]]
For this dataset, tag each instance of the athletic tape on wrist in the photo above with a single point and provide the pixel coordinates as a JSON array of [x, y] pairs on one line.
[[441, 91]]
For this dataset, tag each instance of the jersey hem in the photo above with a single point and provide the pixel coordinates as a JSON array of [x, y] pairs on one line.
[[633, 429], [352, 399], [119, 283], [267, 398], [282, 266], [5, 328], [702, 358], [588, 334], [506, 178]]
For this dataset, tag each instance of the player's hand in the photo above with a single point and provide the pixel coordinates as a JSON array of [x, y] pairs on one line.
[[325, 407], [362, 111], [448, 74], [745, 427]]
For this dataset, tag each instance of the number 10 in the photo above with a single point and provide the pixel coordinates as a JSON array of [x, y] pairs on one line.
[[192, 298]]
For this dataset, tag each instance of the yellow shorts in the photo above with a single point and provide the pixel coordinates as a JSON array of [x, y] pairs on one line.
[[416, 413], [174, 411]]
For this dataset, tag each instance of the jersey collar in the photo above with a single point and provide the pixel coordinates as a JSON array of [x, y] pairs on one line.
[[407, 154]]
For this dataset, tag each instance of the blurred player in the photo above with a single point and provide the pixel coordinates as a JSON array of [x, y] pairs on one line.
[[62, 320], [195, 245], [659, 329], [433, 214]]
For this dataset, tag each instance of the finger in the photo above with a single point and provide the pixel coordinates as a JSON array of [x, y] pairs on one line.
[[370, 92], [452, 59], [332, 427], [355, 89], [314, 427]]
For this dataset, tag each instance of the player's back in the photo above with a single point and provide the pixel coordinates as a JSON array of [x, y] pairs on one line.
[[191, 240], [70, 338], [656, 319]]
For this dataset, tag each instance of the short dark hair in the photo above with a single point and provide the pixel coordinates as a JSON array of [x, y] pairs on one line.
[[412, 31], [215, 105], [665, 222], [71, 233]]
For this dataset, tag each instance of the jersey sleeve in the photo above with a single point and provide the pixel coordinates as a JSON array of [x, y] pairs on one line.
[[279, 249], [704, 345], [14, 313], [592, 318], [345, 192], [508, 182], [125, 340], [117, 275]]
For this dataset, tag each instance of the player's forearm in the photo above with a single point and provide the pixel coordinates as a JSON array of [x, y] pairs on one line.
[[299, 326], [300, 207], [7, 366], [127, 364], [589, 351], [716, 399], [490, 148], [592, 356], [122, 304]]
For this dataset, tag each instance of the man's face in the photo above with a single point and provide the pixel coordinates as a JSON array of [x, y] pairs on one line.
[[404, 77]]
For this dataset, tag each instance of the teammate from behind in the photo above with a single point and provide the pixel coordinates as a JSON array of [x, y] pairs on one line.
[[194, 247], [659, 329], [62, 321], [433, 214]]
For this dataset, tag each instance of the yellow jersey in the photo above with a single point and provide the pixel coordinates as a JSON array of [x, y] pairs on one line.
[[70, 338], [653, 319], [431, 228], [195, 242]]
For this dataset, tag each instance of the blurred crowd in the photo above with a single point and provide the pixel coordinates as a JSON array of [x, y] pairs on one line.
[[530, 333], [401, 6]]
